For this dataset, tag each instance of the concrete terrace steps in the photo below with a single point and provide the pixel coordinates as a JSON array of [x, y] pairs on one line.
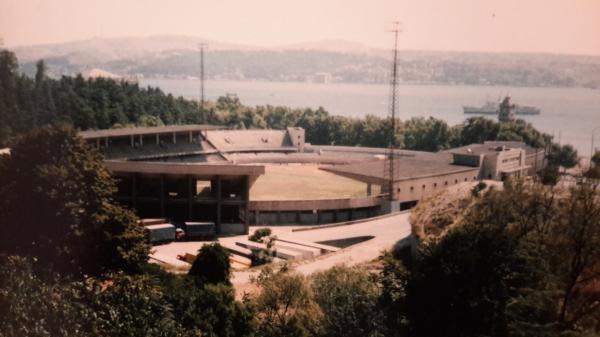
[[307, 251], [238, 260], [324, 249], [238, 250], [281, 252], [286, 249]]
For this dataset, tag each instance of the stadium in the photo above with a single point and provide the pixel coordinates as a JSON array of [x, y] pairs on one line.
[[231, 179]]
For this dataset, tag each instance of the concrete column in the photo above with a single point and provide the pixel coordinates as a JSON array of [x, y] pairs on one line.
[[174, 138], [162, 195], [219, 202], [132, 141], [246, 202], [369, 189], [190, 197], [257, 217], [157, 139], [134, 190], [141, 140], [191, 137]]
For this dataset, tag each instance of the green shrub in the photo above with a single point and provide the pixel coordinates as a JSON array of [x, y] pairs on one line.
[[478, 188], [261, 256], [259, 234]]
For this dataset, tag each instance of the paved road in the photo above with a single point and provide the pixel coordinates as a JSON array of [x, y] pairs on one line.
[[386, 231]]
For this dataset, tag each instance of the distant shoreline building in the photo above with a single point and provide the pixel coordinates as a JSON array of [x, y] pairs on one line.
[[323, 77]]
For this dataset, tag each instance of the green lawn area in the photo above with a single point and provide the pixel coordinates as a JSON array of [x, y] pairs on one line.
[[297, 182]]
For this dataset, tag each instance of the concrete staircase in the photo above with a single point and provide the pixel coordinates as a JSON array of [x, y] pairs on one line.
[[285, 249]]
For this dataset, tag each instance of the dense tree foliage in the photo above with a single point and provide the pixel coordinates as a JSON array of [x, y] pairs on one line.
[[118, 306], [348, 298], [154, 304], [564, 156], [549, 175], [212, 265], [523, 261], [593, 171], [285, 305], [466, 277], [30, 306], [57, 207]]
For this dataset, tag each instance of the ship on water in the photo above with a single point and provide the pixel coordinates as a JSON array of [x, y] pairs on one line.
[[492, 108]]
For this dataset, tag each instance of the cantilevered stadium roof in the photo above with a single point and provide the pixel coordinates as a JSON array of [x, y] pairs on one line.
[[147, 130]]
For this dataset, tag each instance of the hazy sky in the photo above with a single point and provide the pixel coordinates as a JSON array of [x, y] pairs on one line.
[[556, 26]]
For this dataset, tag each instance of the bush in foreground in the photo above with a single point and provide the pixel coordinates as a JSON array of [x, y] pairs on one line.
[[212, 265]]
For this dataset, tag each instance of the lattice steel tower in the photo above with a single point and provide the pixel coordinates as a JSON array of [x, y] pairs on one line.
[[201, 50], [392, 112]]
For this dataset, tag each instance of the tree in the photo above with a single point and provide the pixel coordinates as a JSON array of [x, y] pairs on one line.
[[207, 310], [393, 279], [8, 94], [228, 103], [285, 306], [57, 207], [127, 305], [549, 175], [426, 134], [596, 158], [564, 156], [478, 130], [594, 171], [460, 285], [31, 307], [522, 131], [40, 74], [211, 265], [574, 244], [348, 298], [552, 261], [217, 313], [259, 234]]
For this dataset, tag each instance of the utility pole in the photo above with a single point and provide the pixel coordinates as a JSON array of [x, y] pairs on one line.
[[593, 149], [201, 49], [393, 107], [559, 137]]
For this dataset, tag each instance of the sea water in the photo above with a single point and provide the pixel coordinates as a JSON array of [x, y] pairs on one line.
[[570, 114]]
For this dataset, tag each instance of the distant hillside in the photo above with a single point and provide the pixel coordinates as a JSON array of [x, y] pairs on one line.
[[328, 60]]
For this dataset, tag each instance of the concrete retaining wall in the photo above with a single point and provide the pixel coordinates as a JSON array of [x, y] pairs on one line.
[[232, 228], [274, 218]]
